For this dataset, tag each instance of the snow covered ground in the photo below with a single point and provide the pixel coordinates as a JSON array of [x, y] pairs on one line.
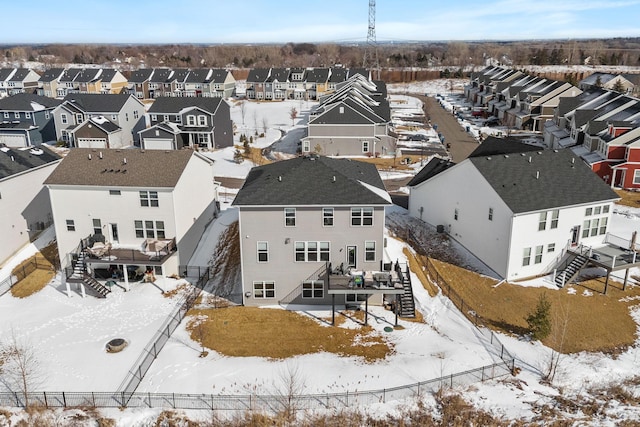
[[69, 333]]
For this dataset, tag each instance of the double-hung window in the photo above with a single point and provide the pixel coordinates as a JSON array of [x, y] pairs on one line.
[[327, 217], [290, 217], [370, 251], [361, 216], [313, 289], [526, 257], [149, 198], [263, 251], [542, 222], [264, 289]]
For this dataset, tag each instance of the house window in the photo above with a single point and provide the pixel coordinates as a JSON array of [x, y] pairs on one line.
[[289, 217], [203, 138], [365, 146], [490, 214], [79, 118], [149, 229], [594, 227], [306, 146], [16, 115], [166, 118], [114, 192], [551, 247], [636, 176], [97, 226], [178, 119], [526, 257], [603, 225], [605, 209], [538, 258], [313, 289], [362, 216], [355, 298], [27, 115], [126, 117], [554, 218], [136, 114], [585, 228], [327, 217], [202, 120], [455, 214], [263, 251], [63, 119], [370, 251], [154, 117], [542, 222], [6, 115], [264, 289], [588, 212], [312, 251], [71, 225], [191, 120], [596, 210], [149, 198]]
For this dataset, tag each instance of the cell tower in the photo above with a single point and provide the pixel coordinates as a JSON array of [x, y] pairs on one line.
[[370, 59]]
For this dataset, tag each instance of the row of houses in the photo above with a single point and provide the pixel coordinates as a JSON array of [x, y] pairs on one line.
[[144, 83], [115, 121], [297, 83], [353, 120], [599, 124]]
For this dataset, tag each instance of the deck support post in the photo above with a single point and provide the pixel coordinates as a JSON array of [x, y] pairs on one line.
[[626, 277], [606, 283], [366, 310], [333, 309]]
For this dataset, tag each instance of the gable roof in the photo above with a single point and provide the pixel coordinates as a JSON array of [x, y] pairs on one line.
[[306, 181], [160, 75], [170, 104], [431, 169], [102, 123], [218, 75], [540, 180], [21, 74], [97, 102], [121, 168], [493, 146], [51, 74], [14, 161], [28, 102], [258, 75], [70, 74]]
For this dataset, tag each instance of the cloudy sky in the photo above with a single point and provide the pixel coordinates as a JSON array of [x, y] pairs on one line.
[[262, 21]]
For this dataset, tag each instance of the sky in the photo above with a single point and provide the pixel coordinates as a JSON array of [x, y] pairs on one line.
[[334, 21]]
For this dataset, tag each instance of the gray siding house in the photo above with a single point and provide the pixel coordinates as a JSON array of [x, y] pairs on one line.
[[304, 217], [26, 120]]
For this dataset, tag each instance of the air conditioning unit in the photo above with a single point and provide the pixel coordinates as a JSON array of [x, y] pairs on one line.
[[440, 228]]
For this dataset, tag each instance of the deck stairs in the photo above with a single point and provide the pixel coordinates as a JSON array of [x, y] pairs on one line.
[[571, 271], [407, 306]]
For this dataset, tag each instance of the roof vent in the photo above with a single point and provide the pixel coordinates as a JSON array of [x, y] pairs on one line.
[[573, 160], [529, 159], [506, 156], [333, 179], [537, 174], [279, 178], [13, 159], [89, 156], [124, 161], [100, 154]]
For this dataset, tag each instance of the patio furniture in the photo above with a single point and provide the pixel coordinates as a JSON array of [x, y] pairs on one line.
[[99, 249]]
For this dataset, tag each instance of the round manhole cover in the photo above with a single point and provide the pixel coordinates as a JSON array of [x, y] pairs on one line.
[[116, 345]]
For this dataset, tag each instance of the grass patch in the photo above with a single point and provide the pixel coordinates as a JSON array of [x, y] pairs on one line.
[[629, 198], [279, 334], [390, 162], [417, 268], [41, 270], [595, 322]]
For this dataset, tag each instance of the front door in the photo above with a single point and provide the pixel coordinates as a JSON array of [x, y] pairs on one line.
[[351, 256], [114, 233], [575, 235]]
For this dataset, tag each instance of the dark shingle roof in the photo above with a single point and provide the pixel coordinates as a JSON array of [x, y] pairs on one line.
[[97, 102], [25, 102], [170, 104], [5, 73], [51, 74], [548, 179], [431, 169], [218, 75], [197, 76], [338, 75], [88, 75], [306, 181], [70, 74], [493, 146], [108, 74], [258, 75], [318, 75], [143, 168], [160, 75], [13, 161], [20, 74], [279, 74], [139, 76]]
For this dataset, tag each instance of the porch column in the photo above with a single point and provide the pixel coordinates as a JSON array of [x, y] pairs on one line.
[[396, 307], [613, 177], [366, 310], [333, 309], [126, 277]]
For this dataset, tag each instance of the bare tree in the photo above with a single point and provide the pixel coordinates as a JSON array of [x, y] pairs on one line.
[[265, 124], [556, 340], [20, 369], [293, 113], [291, 385], [243, 110]]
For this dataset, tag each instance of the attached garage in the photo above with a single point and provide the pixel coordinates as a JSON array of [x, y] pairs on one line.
[[157, 144], [91, 142], [13, 141]]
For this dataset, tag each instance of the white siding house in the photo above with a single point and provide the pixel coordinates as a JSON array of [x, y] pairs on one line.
[[517, 212]]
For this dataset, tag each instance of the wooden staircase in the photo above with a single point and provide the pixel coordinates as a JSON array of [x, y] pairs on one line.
[[98, 287], [407, 306], [570, 272]]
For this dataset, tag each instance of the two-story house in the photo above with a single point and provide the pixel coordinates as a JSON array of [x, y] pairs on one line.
[[519, 212], [112, 81], [136, 205], [298, 216], [27, 120], [67, 83], [24, 201], [23, 80], [177, 122], [317, 82], [49, 81], [256, 83], [138, 83], [124, 111]]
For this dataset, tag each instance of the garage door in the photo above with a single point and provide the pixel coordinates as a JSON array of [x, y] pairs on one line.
[[158, 144], [91, 142], [14, 141]]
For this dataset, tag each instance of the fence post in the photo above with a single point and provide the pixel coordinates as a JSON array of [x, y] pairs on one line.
[[64, 400], [347, 400], [174, 400], [93, 398], [384, 395], [46, 404], [501, 350], [482, 376]]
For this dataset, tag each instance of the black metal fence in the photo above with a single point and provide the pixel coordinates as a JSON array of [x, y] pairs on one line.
[[150, 353], [35, 263], [271, 403]]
